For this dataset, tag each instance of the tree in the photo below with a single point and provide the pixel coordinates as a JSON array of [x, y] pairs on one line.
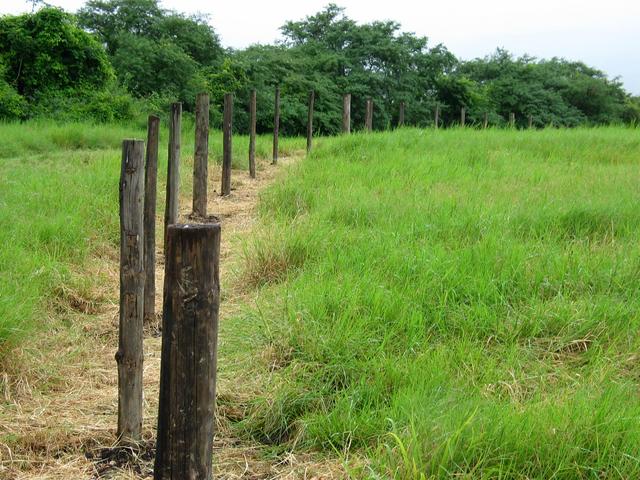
[[374, 59], [47, 51], [154, 51]]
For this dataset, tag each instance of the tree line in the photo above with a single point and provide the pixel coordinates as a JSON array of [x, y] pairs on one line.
[[114, 59]]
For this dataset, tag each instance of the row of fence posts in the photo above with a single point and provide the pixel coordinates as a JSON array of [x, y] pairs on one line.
[[191, 289], [191, 294]]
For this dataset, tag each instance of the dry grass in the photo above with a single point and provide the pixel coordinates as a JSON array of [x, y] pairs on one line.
[[59, 396]]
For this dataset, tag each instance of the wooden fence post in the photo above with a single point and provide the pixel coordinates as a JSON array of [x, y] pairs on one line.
[[276, 125], [129, 355], [173, 169], [485, 121], [150, 197], [346, 113], [530, 122], [189, 353], [252, 135], [368, 120], [401, 115], [512, 120], [463, 116], [227, 144], [312, 99], [437, 124], [201, 156]]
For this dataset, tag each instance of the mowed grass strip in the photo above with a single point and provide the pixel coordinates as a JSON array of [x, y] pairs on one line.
[[456, 303]]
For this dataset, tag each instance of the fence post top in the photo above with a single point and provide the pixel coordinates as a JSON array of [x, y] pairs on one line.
[[209, 223]]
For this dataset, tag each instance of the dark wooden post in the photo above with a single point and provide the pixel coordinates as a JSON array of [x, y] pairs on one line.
[[485, 122], [463, 116], [368, 120], [189, 353], [346, 113], [252, 135], [173, 169], [401, 115], [437, 124], [530, 122], [276, 125], [227, 144], [201, 155], [312, 98], [150, 197], [129, 354], [512, 120]]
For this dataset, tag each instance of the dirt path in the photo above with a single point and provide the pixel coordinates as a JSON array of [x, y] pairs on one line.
[[59, 409]]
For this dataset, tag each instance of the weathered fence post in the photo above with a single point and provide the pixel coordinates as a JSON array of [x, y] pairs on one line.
[[463, 116], [276, 125], [485, 121], [346, 113], [173, 169], [512, 120], [401, 115], [201, 156], [530, 122], [437, 123], [150, 197], [368, 120], [227, 144], [312, 99], [189, 353], [252, 135], [129, 355]]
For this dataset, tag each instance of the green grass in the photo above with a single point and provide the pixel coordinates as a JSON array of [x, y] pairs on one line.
[[440, 304], [59, 200], [455, 304]]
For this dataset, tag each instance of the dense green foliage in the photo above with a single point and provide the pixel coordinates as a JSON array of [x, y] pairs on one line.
[[454, 304], [154, 51], [146, 57], [553, 92], [51, 67]]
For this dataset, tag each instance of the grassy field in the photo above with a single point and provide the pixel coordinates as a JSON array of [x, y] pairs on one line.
[[428, 304], [455, 304], [59, 201]]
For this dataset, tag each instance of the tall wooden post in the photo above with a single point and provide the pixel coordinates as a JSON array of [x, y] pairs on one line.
[[227, 144], [173, 169], [401, 115], [189, 353], [201, 156], [437, 123], [252, 135], [530, 122], [129, 354], [276, 125], [368, 120], [312, 98], [463, 116], [346, 113], [512, 120], [150, 197], [485, 121]]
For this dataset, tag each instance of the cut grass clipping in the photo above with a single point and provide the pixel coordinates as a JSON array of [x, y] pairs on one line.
[[455, 303]]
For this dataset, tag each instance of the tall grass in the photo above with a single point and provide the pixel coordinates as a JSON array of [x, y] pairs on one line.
[[59, 200], [456, 303]]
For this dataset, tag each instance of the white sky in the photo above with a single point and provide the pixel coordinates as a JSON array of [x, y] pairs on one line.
[[603, 34]]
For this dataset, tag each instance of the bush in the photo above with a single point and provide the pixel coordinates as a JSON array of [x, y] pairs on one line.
[[12, 105], [112, 104]]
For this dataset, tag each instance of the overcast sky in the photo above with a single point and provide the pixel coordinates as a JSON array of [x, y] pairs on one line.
[[603, 34]]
